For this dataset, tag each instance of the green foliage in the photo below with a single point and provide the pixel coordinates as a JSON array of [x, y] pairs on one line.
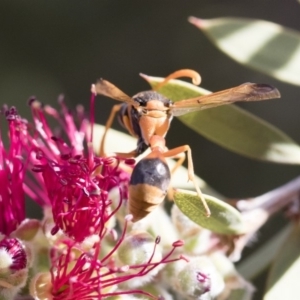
[[284, 275], [224, 218], [275, 51], [261, 45]]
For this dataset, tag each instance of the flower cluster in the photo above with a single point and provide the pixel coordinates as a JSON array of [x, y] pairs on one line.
[[12, 171], [86, 246]]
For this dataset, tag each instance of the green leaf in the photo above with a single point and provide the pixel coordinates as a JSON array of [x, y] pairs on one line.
[[283, 281], [265, 46], [232, 127], [224, 218]]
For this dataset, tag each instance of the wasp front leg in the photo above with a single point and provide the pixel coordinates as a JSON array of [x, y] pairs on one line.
[[131, 154], [114, 111]]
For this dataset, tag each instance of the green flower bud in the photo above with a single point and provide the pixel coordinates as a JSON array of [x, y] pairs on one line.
[[138, 248], [40, 286], [140, 251], [158, 223], [197, 279], [27, 230]]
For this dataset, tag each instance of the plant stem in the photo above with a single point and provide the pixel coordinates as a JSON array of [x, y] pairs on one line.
[[274, 200]]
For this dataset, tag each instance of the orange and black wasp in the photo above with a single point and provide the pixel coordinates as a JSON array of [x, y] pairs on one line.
[[148, 114]]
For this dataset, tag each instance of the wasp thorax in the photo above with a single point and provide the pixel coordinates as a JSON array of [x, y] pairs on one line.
[[152, 104], [144, 97]]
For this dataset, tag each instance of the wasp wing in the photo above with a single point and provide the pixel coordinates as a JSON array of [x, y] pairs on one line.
[[244, 92], [105, 88]]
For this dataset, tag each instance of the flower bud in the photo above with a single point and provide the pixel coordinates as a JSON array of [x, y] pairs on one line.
[[233, 280], [12, 256], [196, 239], [183, 224], [197, 279], [139, 251], [27, 230], [158, 223], [40, 286], [13, 267], [137, 248]]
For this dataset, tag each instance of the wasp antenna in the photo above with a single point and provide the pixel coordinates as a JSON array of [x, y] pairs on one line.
[[195, 76]]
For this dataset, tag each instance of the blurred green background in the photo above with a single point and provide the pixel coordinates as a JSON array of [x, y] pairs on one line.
[[53, 47]]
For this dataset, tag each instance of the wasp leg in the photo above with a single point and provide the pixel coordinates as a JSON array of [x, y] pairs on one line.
[[191, 174], [109, 121], [181, 158], [195, 76], [130, 154]]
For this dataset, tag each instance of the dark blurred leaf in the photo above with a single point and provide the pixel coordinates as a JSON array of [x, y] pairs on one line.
[[233, 128], [224, 218], [264, 46], [283, 281], [240, 294]]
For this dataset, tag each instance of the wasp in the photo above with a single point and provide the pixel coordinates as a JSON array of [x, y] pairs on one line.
[[148, 115], [150, 178]]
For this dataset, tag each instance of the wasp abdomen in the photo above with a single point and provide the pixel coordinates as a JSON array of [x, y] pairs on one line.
[[148, 186]]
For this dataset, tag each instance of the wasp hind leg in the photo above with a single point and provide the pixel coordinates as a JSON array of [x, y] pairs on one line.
[[191, 174], [181, 158]]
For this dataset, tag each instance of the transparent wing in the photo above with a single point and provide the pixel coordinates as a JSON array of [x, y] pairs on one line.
[[105, 88], [244, 92]]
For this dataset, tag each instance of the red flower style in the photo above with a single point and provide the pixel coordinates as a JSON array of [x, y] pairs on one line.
[[58, 169], [77, 183], [76, 274], [12, 198]]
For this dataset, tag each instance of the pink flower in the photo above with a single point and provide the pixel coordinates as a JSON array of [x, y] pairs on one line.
[[78, 194], [59, 170], [12, 199], [14, 263], [15, 253], [76, 181]]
